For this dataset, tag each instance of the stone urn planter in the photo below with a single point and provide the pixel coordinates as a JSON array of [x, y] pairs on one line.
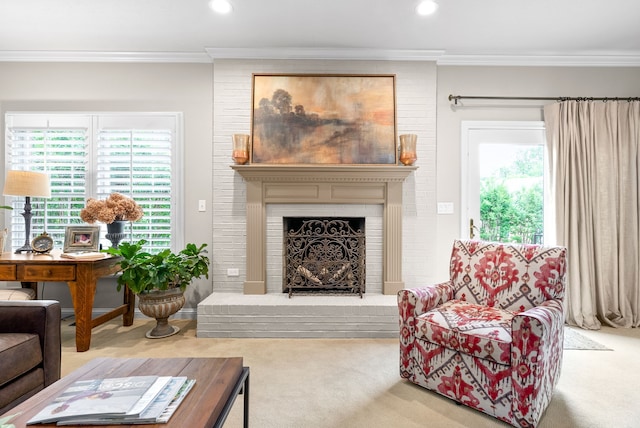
[[161, 304], [159, 280]]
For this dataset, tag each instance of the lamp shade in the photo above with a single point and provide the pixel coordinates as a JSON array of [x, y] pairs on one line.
[[27, 183]]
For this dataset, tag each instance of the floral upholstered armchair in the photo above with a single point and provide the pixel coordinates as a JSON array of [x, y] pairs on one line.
[[491, 337]]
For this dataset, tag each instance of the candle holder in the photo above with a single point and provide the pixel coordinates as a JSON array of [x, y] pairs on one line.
[[240, 148], [408, 149]]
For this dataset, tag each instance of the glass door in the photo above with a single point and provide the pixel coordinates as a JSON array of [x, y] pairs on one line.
[[503, 181]]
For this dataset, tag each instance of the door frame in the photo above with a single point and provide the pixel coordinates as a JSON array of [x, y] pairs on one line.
[[469, 129]]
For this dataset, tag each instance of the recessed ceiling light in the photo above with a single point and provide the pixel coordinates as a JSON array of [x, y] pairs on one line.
[[426, 7], [220, 6]]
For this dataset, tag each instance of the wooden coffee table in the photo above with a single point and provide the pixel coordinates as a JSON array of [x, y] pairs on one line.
[[218, 383]]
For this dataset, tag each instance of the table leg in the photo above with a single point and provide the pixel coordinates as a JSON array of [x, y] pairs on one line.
[[246, 399], [130, 302], [82, 296]]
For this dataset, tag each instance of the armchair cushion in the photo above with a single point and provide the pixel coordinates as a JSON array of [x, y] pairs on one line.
[[19, 353], [512, 276], [17, 294], [482, 331]]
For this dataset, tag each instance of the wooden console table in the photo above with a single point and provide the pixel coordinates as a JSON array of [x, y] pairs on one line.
[[82, 278]]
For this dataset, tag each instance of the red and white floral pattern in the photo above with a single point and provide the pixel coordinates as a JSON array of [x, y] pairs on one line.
[[490, 337]]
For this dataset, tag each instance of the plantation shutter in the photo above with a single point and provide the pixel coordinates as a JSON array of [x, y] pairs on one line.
[[138, 164], [59, 147], [92, 156]]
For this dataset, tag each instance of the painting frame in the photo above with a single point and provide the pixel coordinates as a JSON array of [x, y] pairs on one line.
[[81, 239], [323, 119]]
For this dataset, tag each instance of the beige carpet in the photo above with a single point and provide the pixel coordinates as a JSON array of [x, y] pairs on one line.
[[300, 383]]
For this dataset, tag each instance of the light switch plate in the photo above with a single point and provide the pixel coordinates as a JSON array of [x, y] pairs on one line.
[[445, 207], [202, 205]]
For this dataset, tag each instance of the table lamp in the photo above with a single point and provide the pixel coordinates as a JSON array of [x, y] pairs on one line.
[[28, 184]]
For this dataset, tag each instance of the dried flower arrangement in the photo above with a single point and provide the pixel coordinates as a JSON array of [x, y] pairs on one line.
[[115, 207]]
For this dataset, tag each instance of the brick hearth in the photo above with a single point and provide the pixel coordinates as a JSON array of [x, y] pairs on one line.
[[275, 315]]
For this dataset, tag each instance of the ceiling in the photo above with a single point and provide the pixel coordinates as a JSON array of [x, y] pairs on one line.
[[599, 31]]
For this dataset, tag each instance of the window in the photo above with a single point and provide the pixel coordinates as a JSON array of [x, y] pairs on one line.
[[93, 155]]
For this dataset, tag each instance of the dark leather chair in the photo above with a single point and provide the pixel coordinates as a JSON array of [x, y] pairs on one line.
[[30, 349]]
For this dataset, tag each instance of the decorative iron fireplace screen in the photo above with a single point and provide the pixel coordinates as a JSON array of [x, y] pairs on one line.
[[324, 255]]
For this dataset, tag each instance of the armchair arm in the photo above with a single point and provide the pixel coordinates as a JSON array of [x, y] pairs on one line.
[[41, 317], [412, 303], [415, 301], [536, 358]]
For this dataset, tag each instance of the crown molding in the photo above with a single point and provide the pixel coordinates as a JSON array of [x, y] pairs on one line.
[[542, 60], [439, 56], [86, 56], [352, 54], [345, 54]]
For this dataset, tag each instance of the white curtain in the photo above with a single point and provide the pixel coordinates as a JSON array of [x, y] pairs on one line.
[[593, 152]]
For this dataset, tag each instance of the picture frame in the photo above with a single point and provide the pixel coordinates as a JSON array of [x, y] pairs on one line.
[[319, 119], [81, 238]]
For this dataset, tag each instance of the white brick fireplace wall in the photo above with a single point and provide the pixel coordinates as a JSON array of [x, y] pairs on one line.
[[416, 113]]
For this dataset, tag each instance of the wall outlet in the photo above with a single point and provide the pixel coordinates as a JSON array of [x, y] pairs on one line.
[[233, 272]]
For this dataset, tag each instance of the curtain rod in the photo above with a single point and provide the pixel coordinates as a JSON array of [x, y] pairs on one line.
[[455, 98]]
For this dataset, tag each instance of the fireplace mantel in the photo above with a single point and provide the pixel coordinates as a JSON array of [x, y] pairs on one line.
[[331, 184], [332, 173]]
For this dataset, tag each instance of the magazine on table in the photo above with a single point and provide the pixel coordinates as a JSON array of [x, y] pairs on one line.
[[111, 399], [160, 410], [175, 402]]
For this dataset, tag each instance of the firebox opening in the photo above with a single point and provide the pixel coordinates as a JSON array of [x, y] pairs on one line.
[[324, 255]]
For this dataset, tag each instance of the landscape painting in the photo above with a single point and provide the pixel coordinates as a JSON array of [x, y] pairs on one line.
[[323, 119]]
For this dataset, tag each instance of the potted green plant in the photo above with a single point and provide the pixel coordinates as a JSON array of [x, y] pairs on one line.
[[159, 280]]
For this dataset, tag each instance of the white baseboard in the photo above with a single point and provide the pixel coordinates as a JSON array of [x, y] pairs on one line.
[[184, 313]]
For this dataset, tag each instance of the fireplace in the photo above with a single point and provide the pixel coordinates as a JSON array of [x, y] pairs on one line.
[[324, 255], [315, 185]]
